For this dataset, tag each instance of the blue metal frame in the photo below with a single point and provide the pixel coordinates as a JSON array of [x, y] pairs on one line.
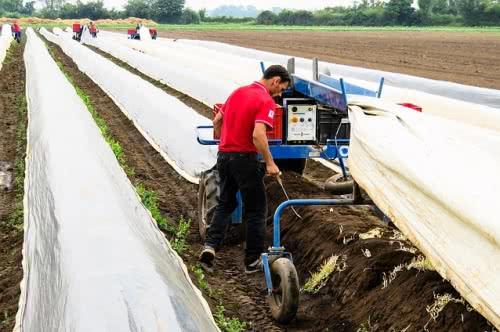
[[277, 250], [332, 150], [320, 92]]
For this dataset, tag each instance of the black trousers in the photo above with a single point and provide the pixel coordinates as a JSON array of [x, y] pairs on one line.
[[243, 172]]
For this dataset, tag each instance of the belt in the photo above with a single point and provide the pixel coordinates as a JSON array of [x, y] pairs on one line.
[[237, 155]]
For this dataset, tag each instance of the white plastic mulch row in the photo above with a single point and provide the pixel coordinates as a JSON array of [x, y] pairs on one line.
[[167, 123], [438, 181], [94, 259], [5, 40], [184, 63], [434, 174]]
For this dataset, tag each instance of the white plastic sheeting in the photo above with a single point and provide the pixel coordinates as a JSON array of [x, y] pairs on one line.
[[5, 40], [438, 181], [167, 123], [190, 78], [187, 64], [450, 100], [94, 259]]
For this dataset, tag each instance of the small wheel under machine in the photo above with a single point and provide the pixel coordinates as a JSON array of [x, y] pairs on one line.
[[284, 299]]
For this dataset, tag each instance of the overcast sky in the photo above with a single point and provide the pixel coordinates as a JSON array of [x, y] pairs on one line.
[[260, 4]]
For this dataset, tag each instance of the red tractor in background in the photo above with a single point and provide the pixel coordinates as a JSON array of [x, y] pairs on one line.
[[134, 33], [78, 30]]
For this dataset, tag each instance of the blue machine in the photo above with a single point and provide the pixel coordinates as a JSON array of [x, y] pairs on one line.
[[322, 90], [305, 96]]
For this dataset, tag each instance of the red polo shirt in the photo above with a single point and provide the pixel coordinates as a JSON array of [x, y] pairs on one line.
[[246, 106]]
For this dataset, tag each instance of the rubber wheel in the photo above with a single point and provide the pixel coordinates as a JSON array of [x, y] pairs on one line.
[[284, 301], [339, 185], [208, 196]]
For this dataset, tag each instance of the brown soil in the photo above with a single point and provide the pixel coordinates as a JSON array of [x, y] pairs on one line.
[[11, 237], [468, 58], [348, 300]]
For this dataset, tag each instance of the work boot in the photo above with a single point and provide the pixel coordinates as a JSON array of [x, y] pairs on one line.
[[253, 266], [207, 256]]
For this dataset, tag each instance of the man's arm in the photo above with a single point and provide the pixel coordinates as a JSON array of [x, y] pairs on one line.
[[218, 124], [260, 142]]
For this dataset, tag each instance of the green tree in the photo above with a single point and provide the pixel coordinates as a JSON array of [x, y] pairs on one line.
[[138, 8], [399, 12], [266, 17], [189, 16], [425, 8], [167, 11], [93, 10], [202, 13], [471, 10]]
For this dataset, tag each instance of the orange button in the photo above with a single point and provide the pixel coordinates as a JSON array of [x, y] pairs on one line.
[[295, 120]]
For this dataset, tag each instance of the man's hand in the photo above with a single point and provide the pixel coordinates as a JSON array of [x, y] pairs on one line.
[[272, 170], [217, 122]]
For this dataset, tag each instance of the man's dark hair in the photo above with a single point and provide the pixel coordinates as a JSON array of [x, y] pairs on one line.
[[277, 70]]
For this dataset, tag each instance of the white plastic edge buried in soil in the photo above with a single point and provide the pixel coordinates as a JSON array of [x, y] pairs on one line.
[[93, 257], [167, 123], [408, 164], [5, 40]]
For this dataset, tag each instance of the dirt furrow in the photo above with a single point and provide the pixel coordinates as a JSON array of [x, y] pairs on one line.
[[12, 154]]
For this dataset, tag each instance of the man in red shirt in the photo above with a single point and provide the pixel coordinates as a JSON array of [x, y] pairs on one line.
[[16, 29], [241, 125]]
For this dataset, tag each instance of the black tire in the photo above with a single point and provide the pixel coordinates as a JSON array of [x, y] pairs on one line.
[[284, 301], [339, 185], [208, 196]]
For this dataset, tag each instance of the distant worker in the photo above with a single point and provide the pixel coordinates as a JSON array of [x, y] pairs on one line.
[[16, 30], [93, 29], [241, 125]]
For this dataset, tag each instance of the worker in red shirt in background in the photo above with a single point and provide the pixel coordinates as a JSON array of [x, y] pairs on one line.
[[16, 30], [241, 125], [93, 29]]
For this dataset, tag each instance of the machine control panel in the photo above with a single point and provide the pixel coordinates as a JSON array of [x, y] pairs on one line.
[[301, 121]]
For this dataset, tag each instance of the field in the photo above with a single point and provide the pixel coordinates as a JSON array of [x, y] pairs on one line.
[[379, 281], [467, 58]]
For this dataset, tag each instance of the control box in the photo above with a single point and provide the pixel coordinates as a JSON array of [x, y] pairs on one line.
[[301, 120]]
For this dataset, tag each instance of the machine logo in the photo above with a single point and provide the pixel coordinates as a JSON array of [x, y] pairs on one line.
[[343, 151]]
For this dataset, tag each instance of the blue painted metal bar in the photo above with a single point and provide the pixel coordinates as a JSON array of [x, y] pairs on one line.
[[342, 166], [320, 92], [237, 215], [300, 202], [344, 94], [380, 88], [262, 67], [350, 89], [267, 272], [333, 149]]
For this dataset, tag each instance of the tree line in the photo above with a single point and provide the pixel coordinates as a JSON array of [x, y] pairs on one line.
[[366, 13], [392, 13]]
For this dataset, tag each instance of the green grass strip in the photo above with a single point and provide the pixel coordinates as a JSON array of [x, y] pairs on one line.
[[17, 217]]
